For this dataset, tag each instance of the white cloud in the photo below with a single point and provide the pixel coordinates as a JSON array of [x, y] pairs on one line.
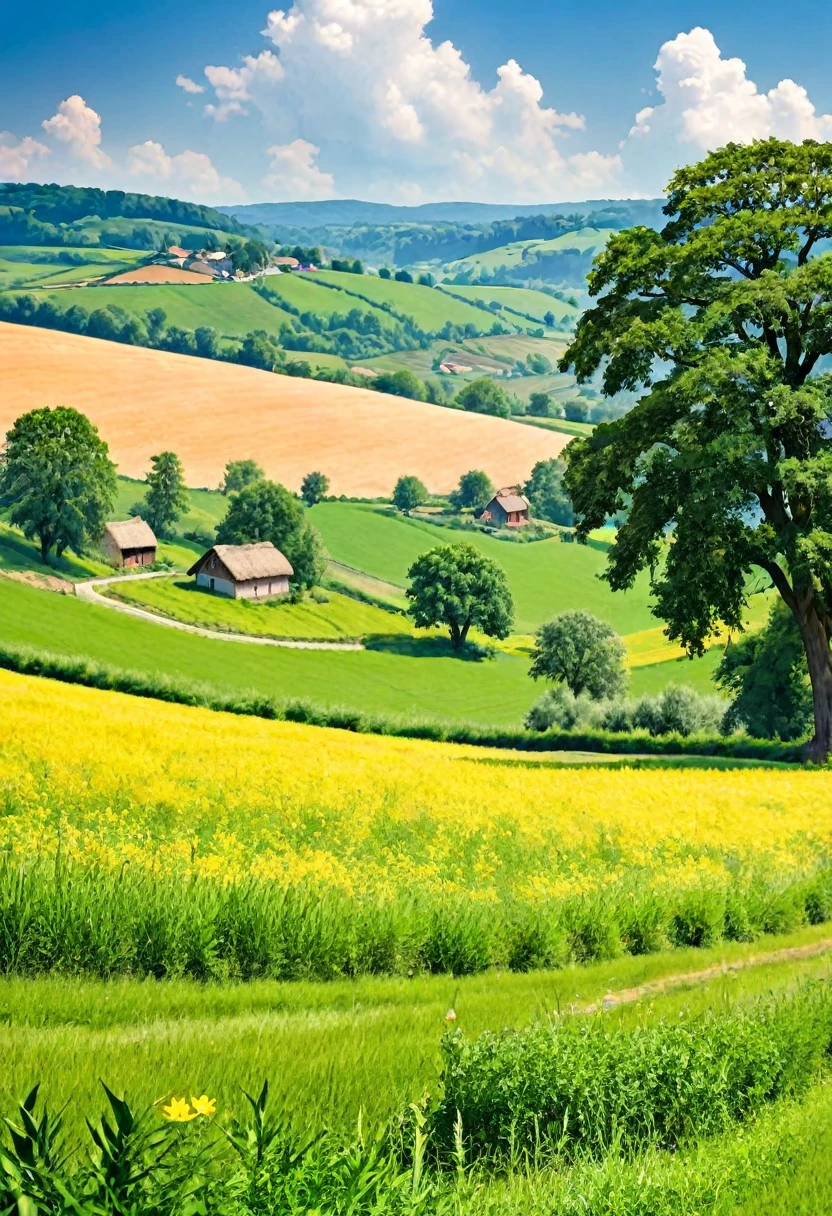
[[190, 173], [294, 172], [17, 156], [78, 125], [189, 86], [233, 86], [707, 101], [362, 81]]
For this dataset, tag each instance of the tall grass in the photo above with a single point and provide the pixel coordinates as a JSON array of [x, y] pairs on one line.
[[68, 918], [27, 660]]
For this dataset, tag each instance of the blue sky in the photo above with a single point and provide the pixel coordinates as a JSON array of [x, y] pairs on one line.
[[400, 100]]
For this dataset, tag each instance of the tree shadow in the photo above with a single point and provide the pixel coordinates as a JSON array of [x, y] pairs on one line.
[[422, 648]]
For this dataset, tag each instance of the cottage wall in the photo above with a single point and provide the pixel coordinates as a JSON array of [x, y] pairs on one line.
[[251, 589], [117, 556]]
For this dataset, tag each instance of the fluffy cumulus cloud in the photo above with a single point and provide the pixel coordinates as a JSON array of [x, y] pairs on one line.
[[295, 174], [707, 100], [189, 86], [189, 174], [77, 125], [19, 158], [397, 115]]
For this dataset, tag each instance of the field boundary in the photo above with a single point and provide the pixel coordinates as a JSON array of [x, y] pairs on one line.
[[88, 591]]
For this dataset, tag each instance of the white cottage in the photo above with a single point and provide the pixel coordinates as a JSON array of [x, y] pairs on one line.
[[251, 572]]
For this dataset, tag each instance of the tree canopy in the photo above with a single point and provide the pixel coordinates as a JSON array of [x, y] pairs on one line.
[[475, 490], [485, 396], [313, 488], [57, 480], [721, 320], [457, 586], [265, 510], [547, 493], [582, 652], [166, 498], [239, 474], [409, 492], [766, 672]]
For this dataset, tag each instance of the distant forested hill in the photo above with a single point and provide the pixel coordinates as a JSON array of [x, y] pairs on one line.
[[32, 214], [346, 212]]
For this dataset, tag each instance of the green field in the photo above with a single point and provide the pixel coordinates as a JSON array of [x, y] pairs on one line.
[[546, 577], [36, 265], [338, 618], [521, 299], [329, 1049], [516, 253], [428, 307], [232, 309], [307, 293]]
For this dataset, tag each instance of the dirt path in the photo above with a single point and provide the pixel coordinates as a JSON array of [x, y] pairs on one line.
[[89, 591], [627, 996]]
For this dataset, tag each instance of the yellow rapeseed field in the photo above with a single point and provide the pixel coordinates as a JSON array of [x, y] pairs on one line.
[[113, 780]]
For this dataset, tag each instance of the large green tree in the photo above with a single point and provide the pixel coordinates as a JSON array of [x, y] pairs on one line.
[[457, 586], [485, 396], [547, 494], [721, 319], [475, 490], [268, 511], [766, 672], [57, 481], [166, 498]]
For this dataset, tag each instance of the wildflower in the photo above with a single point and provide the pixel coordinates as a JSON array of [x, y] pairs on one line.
[[204, 1106], [178, 1111], [450, 1016]]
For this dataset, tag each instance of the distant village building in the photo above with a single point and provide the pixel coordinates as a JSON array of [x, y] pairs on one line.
[[130, 543], [244, 572], [507, 509], [289, 263], [176, 251], [454, 369]]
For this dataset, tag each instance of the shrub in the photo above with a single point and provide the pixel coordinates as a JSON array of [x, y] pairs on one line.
[[677, 710], [582, 1089]]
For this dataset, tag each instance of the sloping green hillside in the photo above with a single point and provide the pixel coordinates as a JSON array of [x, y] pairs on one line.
[[431, 309]]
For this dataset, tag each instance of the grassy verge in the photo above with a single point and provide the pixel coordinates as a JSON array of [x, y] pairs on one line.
[[333, 617], [30, 661]]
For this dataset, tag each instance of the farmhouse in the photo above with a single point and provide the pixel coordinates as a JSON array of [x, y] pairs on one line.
[[244, 572], [130, 543], [507, 509]]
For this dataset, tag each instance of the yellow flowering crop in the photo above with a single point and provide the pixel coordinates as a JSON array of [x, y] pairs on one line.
[[111, 780]]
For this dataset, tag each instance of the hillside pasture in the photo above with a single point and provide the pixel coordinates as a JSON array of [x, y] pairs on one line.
[[520, 299], [232, 309], [144, 401], [430, 308], [516, 253], [545, 577]]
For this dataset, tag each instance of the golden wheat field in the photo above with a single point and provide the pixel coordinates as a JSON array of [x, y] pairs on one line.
[[108, 779], [144, 401]]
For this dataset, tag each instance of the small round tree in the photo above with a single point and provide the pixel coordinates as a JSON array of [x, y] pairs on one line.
[[166, 498], [457, 586], [268, 511], [410, 492], [583, 653], [475, 490], [485, 396], [313, 488], [239, 474], [57, 480]]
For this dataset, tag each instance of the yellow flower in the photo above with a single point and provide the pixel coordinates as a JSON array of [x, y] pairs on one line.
[[204, 1105], [178, 1111]]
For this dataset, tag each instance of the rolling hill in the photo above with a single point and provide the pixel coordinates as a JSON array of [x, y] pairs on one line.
[[144, 401]]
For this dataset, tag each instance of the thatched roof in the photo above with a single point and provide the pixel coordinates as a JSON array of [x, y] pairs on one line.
[[244, 562], [132, 534]]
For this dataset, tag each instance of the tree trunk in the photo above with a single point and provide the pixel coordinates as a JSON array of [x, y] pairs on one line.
[[456, 636], [463, 637], [819, 658], [45, 546]]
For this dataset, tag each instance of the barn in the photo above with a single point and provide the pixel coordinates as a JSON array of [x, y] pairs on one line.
[[130, 543], [507, 509], [244, 572]]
